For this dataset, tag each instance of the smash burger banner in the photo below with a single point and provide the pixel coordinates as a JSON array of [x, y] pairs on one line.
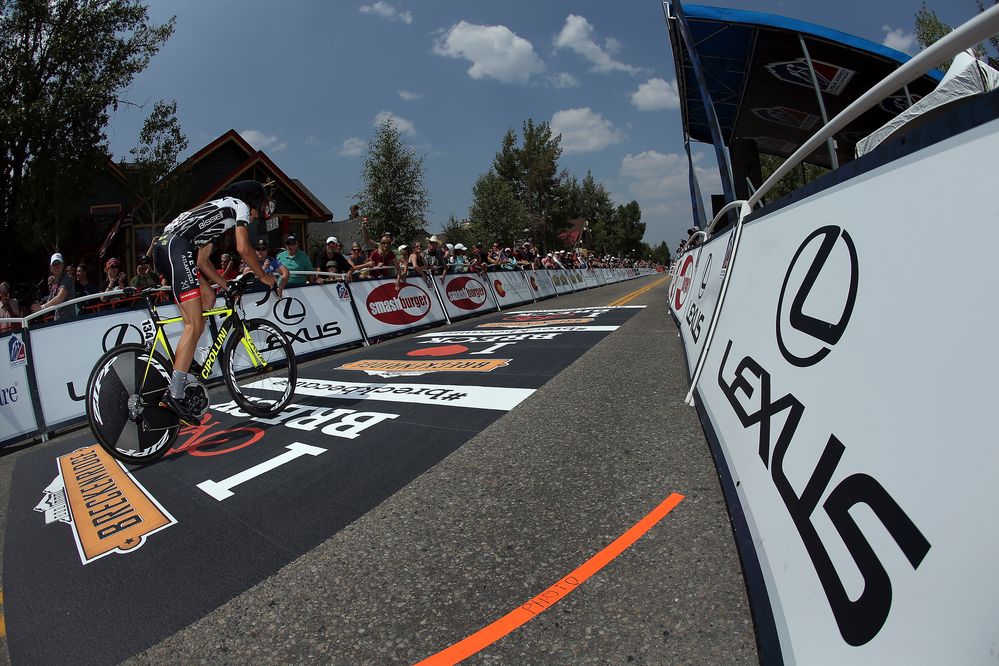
[[853, 401], [383, 309], [511, 287], [466, 293]]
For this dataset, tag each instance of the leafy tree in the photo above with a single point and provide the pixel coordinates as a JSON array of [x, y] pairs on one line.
[[660, 254], [798, 177], [929, 29], [629, 228], [507, 166], [394, 196], [538, 157], [496, 213], [597, 207], [63, 66], [458, 231], [159, 187]]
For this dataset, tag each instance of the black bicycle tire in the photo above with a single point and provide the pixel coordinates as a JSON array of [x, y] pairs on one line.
[[113, 450], [249, 407]]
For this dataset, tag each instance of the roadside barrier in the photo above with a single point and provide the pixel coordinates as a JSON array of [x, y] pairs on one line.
[[43, 383]]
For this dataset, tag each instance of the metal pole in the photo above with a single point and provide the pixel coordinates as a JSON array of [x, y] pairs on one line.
[[830, 143]]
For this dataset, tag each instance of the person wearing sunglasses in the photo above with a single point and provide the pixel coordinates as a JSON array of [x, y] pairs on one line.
[[296, 260], [382, 261], [271, 265]]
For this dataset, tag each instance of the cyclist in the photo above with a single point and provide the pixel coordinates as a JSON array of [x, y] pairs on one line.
[[183, 255]]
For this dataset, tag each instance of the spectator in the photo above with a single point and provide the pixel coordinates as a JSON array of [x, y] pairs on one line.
[[271, 266], [530, 256], [356, 258], [493, 257], [381, 261], [418, 260], [458, 262], [294, 260], [411, 259], [145, 277], [448, 254], [84, 287], [229, 270], [508, 261], [61, 289], [331, 260], [115, 278], [434, 256], [9, 309]]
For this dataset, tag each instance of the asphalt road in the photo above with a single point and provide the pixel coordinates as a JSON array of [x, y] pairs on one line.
[[510, 513]]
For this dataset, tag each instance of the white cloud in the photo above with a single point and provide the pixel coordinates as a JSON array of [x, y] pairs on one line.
[[409, 96], [899, 39], [494, 50], [261, 141], [312, 140], [352, 147], [660, 184], [656, 95], [387, 11], [563, 80], [577, 34], [405, 126], [584, 131]]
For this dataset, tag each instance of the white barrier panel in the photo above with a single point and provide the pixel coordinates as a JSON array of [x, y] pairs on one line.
[[384, 309], [17, 417], [576, 280], [541, 284], [853, 398], [511, 287], [314, 318], [464, 294], [590, 278], [560, 281], [694, 292]]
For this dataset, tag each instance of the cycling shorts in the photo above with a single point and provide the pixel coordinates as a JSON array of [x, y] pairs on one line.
[[174, 258]]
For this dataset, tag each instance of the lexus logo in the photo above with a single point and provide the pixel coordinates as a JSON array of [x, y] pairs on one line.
[[826, 287], [290, 311], [704, 278], [119, 334]]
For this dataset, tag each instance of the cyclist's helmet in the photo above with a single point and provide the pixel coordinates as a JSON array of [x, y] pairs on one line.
[[253, 195], [111, 263]]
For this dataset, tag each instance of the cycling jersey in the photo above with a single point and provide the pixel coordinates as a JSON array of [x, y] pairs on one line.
[[210, 220]]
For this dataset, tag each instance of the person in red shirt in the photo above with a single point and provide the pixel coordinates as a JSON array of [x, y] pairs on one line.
[[382, 261]]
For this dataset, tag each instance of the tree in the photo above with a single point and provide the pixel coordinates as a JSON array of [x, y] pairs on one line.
[[798, 177], [597, 207], [496, 212], [630, 228], [394, 196], [538, 157], [63, 66], [159, 187], [458, 231], [929, 29], [660, 254]]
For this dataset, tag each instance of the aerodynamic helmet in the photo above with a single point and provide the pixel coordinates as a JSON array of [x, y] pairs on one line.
[[253, 195]]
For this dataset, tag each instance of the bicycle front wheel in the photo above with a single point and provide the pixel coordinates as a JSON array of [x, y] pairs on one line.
[[259, 368], [123, 397]]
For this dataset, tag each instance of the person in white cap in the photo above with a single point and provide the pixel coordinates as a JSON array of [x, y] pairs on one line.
[[458, 262], [62, 288], [435, 255]]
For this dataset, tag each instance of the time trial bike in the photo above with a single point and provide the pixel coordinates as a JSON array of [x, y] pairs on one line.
[[125, 387]]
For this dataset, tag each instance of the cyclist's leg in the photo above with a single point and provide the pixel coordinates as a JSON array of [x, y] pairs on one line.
[[176, 256]]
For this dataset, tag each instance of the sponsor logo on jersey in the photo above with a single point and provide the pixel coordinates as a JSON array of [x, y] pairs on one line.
[[387, 368], [18, 354], [466, 293], [107, 509], [211, 220], [408, 305]]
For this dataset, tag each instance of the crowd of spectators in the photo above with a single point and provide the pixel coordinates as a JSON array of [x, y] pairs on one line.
[[365, 260]]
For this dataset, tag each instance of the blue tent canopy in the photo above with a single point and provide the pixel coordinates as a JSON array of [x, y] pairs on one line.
[[755, 70]]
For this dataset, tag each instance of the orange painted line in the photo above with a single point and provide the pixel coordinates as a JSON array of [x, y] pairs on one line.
[[525, 612]]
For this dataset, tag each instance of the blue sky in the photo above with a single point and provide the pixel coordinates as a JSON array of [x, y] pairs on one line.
[[307, 81]]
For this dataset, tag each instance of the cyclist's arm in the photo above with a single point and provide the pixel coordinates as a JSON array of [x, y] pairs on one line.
[[250, 257]]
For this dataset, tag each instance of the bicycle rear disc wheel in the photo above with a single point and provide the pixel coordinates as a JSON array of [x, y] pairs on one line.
[[123, 397], [260, 370]]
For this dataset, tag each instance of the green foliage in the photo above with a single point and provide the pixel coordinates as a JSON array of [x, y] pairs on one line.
[[597, 207], [394, 197], [629, 228], [458, 231], [798, 177], [496, 213], [660, 253], [929, 29], [159, 188], [63, 67]]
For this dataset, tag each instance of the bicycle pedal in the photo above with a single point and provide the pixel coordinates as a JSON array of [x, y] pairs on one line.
[[159, 418]]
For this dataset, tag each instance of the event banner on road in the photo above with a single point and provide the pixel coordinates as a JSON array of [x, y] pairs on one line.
[[850, 417]]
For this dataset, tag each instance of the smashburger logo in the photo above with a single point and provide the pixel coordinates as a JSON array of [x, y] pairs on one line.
[[406, 306], [466, 293]]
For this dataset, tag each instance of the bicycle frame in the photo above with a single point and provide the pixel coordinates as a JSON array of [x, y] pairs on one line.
[[229, 324]]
